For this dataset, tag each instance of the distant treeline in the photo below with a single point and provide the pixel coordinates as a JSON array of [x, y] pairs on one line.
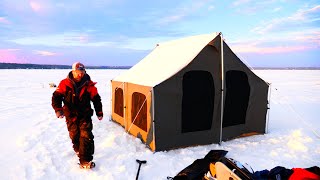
[[46, 66]]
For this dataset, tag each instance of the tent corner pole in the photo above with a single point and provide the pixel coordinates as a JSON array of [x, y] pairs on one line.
[[111, 100], [152, 120], [222, 85], [268, 109], [125, 106]]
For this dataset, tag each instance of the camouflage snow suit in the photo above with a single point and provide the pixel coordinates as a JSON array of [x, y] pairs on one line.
[[77, 109]]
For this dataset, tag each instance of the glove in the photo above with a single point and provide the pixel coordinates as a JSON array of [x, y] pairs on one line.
[[100, 117], [59, 114]]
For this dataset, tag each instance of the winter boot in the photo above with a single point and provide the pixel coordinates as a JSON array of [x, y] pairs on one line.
[[87, 165]]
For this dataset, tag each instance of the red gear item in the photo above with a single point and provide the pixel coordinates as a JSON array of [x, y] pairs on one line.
[[299, 173]]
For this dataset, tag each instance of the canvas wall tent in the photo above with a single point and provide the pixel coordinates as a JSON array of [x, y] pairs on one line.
[[185, 93]]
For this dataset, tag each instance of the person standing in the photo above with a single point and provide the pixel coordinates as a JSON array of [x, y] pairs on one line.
[[76, 92]]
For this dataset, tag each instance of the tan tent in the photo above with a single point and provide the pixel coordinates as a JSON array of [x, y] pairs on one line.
[[184, 93]]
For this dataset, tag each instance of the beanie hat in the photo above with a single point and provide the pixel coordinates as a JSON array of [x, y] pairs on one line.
[[78, 66]]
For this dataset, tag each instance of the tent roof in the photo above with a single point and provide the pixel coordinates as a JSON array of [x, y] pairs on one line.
[[165, 60]]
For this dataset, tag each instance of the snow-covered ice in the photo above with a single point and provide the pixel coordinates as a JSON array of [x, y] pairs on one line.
[[35, 144]]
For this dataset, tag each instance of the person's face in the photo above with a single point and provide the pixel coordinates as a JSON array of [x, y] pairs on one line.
[[78, 75]]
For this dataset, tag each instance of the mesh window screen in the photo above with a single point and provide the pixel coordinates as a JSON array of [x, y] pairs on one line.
[[237, 98], [118, 102], [139, 110], [197, 101]]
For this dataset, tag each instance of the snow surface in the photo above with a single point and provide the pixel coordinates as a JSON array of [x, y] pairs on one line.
[[35, 144]]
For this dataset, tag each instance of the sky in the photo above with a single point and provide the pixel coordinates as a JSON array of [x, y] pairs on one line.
[[35, 145], [265, 33]]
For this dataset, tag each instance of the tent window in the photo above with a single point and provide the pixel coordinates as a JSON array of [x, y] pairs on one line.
[[237, 98], [197, 101], [118, 102], [139, 110]]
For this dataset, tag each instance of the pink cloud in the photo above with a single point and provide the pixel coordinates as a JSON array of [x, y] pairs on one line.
[[291, 42], [4, 20], [23, 56], [313, 11], [41, 7], [313, 37], [8, 55], [45, 53], [80, 38], [183, 12], [301, 17], [240, 2], [35, 6], [252, 48]]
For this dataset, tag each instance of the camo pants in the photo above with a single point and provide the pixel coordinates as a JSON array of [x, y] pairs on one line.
[[80, 133]]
